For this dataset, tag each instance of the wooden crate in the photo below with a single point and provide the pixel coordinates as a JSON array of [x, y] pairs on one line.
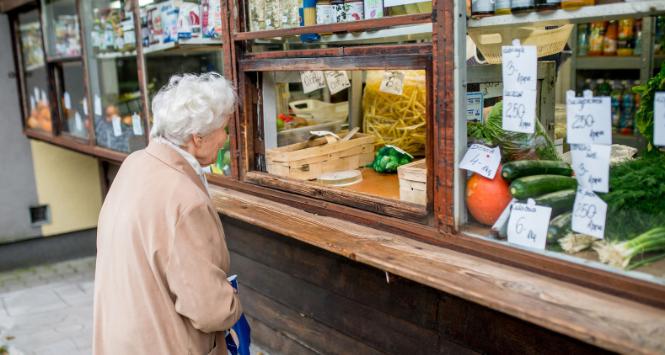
[[308, 160], [413, 182]]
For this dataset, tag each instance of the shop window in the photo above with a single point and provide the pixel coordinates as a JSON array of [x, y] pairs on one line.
[[35, 84], [556, 146], [61, 28], [72, 100]]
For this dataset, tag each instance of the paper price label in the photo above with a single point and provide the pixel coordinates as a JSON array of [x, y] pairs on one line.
[[474, 106], [591, 163], [37, 93], [84, 104], [68, 100], [136, 125], [78, 122], [528, 225], [589, 214], [588, 119], [659, 119], [482, 160], [44, 97], [117, 128], [519, 67], [312, 80], [32, 102], [392, 83], [337, 81], [98, 106], [519, 111]]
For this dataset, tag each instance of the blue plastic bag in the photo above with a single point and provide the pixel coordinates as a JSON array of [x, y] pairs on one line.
[[240, 329]]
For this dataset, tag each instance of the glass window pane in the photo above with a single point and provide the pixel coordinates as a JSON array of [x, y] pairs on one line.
[[34, 72], [72, 95], [365, 134], [113, 72], [61, 28]]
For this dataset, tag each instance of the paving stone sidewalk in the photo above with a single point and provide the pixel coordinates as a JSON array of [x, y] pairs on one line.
[[48, 309]]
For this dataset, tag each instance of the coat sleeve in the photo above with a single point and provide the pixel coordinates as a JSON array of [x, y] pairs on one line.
[[195, 272]]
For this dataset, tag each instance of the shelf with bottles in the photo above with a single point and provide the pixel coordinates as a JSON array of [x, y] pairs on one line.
[[272, 19], [562, 16]]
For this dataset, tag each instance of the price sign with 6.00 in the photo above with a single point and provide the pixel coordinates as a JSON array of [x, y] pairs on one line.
[[528, 224], [588, 119], [589, 213]]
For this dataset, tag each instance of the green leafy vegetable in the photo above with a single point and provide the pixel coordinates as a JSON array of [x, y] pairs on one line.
[[644, 114], [389, 158]]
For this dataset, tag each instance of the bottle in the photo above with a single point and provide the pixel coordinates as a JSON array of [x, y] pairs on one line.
[[596, 38], [324, 12], [627, 106], [616, 95], [502, 7], [582, 39], [610, 40], [637, 45], [575, 4], [625, 37], [482, 8], [603, 88], [588, 85], [548, 5], [519, 6]]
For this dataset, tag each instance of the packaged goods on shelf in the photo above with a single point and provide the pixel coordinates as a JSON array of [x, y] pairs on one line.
[[397, 120], [189, 21], [67, 41], [211, 15], [169, 17]]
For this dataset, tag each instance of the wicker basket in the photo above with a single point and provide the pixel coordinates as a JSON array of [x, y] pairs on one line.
[[547, 41]]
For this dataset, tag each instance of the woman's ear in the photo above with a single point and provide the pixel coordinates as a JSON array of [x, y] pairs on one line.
[[197, 139]]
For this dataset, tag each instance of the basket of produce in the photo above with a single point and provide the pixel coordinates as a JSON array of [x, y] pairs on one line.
[[547, 41], [320, 111], [398, 120], [310, 159]]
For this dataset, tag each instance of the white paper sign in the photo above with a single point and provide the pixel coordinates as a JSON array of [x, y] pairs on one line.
[[44, 97], [659, 119], [528, 224], [519, 66], [117, 128], [588, 119], [78, 122], [136, 125], [32, 102], [68, 101], [98, 106], [491, 90], [337, 81], [36, 93], [482, 160], [589, 213], [84, 103], [474, 106], [312, 80], [591, 163], [519, 111], [392, 82]]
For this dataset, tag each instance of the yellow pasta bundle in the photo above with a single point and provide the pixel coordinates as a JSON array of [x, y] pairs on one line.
[[397, 120]]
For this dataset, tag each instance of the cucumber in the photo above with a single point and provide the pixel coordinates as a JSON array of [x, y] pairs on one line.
[[559, 227], [560, 201], [515, 169], [536, 185]]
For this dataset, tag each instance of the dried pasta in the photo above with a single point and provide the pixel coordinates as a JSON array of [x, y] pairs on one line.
[[397, 119]]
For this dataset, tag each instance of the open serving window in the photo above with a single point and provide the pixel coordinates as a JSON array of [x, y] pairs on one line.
[[556, 152]]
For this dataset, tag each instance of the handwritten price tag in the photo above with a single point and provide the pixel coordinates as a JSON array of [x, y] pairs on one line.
[[482, 160], [392, 83], [591, 163], [36, 93], [528, 224], [78, 122], [589, 214], [68, 101], [474, 106], [32, 102], [588, 119], [136, 124], [337, 81], [659, 119], [312, 81], [98, 106], [84, 103], [44, 97], [117, 128], [519, 111]]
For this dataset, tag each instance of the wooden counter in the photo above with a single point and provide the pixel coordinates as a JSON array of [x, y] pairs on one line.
[[600, 319]]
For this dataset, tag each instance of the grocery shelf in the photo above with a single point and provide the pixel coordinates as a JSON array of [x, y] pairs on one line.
[[635, 9], [186, 46], [608, 63], [114, 55]]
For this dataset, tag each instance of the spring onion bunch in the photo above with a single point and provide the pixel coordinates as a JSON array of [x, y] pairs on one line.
[[620, 254]]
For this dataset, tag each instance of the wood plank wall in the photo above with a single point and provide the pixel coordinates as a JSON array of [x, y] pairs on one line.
[[304, 300]]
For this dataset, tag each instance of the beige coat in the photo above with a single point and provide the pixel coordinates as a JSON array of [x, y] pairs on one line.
[[162, 262]]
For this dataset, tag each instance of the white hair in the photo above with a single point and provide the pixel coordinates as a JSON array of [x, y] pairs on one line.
[[191, 104]]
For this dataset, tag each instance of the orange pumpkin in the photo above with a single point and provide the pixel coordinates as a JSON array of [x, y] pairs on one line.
[[487, 198]]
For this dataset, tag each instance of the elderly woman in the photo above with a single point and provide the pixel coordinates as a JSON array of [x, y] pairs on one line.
[[162, 260]]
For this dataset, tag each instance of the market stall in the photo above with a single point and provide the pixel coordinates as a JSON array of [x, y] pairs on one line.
[[401, 173]]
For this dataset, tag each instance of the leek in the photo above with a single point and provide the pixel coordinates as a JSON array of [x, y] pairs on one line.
[[620, 254]]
